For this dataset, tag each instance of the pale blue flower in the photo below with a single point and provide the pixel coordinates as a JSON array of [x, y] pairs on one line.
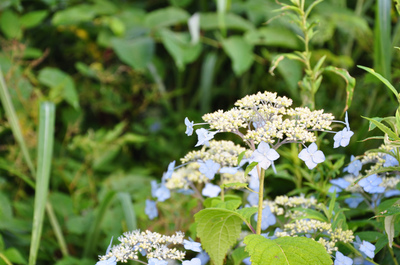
[[254, 182], [264, 155], [229, 170], [203, 256], [192, 245], [342, 138], [160, 191], [155, 261], [391, 193], [268, 218], [189, 126], [110, 261], [253, 199], [151, 209], [354, 200], [339, 184], [361, 261], [390, 161], [194, 261], [354, 167], [209, 168], [211, 190], [204, 136], [247, 261], [371, 184], [170, 170], [312, 156], [341, 259], [368, 249]]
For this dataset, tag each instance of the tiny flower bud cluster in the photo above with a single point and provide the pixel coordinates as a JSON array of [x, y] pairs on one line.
[[181, 177], [268, 117], [327, 237], [154, 245], [224, 153], [281, 204]]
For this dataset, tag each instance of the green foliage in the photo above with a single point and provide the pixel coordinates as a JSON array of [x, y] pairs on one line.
[[285, 250]]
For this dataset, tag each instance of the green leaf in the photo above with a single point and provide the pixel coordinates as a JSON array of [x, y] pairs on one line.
[[240, 52], [273, 36], [210, 21], [137, 52], [389, 228], [165, 17], [392, 210], [350, 83], [61, 85], [372, 125], [250, 168], [179, 47], [384, 128], [44, 155], [285, 250], [247, 213], [278, 58], [33, 18], [212, 202], [129, 212], [311, 214], [236, 185], [10, 25], [14, 256], [383, 80], [74, 15], [218, 230], [238, 255]]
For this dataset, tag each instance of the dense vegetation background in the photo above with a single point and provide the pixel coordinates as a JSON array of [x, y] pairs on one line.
[[124, 75]]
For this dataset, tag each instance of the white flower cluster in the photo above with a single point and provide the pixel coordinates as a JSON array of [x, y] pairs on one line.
[[281, 204], [223, 152], [153, 245], [267, 117], [183, 176], [314, 228]]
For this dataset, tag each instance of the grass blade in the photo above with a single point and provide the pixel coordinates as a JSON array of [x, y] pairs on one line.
[[382, 39], [45, 152], [129, 212], [14, 123]]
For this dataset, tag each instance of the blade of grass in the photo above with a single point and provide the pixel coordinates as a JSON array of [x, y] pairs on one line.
[[14, 123], [382, 39], [45, 153], [128, 210], [93, 233], [57, 229]]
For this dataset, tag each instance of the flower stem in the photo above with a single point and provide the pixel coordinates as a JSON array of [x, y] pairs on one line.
[[261, 174]]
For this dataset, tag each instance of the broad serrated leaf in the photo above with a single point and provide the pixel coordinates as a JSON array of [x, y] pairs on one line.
[[211, 202], [285, 251], [218, 230], [247, 213], [311, 214], [392, 210], [350, 83]]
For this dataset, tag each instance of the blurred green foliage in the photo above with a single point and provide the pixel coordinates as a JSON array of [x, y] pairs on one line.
[[124, 75]]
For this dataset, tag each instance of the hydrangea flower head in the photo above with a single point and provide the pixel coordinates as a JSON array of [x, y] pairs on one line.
[[192, 245], [312, 156], [151, 209], [341, 259], [354, 167], [211, 190], [204, 136], [209, 168], [189, 126], [371, 184], [110, 261], [339, 184], [264, 155]]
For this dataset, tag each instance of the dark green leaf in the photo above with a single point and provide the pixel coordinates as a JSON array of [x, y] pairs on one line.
[[137, 53]]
